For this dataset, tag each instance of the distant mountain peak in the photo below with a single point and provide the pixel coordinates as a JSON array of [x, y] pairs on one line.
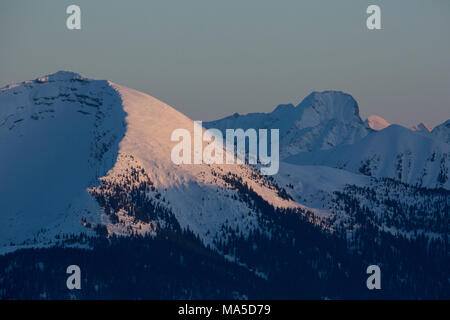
[[422, 127], [322, 120], [332, 104], [376, 122], [107, 141]]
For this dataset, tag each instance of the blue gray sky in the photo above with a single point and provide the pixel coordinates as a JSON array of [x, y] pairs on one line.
[[210, 58]]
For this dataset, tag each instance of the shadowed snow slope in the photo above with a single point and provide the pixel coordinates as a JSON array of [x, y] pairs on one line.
[[58, 134], [442, 131]]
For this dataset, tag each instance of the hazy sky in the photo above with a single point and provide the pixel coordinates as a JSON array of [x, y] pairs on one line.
[[212, 58]]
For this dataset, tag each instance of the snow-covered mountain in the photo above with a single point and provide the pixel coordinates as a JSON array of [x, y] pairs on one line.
[[87, 164], [442, 131], [394, 152], [323, 120], [61, 133], [73, 146], [376, 122]]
